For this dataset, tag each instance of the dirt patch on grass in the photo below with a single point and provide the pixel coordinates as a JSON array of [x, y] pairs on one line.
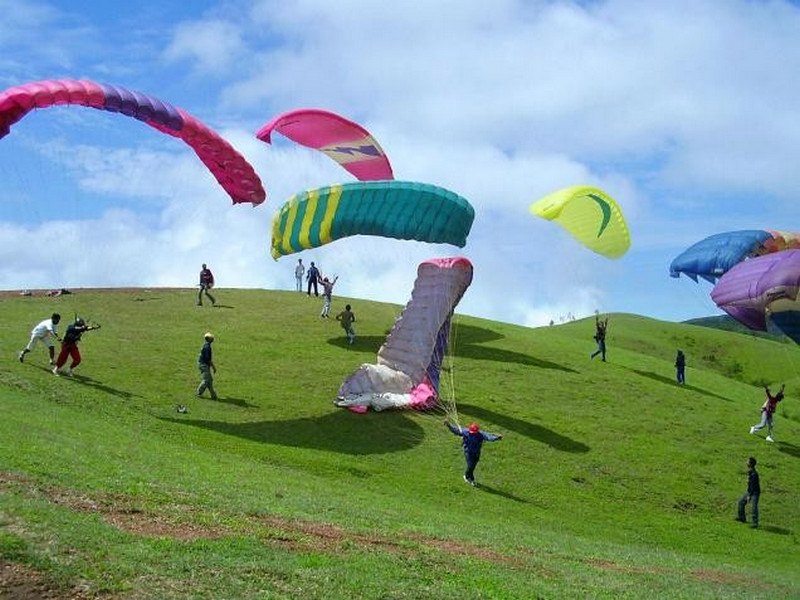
[[20, 582]]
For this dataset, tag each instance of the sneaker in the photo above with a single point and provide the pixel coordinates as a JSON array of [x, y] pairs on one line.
[[741, 520], [465, 479], [21, 357], [68, 372], [55, 371], [769, 438], [753, 430]]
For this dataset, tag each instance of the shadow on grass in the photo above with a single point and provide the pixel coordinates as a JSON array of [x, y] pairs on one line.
[[228, 400], [93, 383], [672, 382], [341, 431], [501, 493], [367, 343], [789, 449], [773, 529], [222, 306], [529, 430], [466, 344]]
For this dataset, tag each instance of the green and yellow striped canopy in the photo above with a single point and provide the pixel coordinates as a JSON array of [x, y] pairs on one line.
[[397, 209]]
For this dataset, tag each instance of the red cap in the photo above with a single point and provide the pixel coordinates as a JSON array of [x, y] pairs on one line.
[[473, 428]]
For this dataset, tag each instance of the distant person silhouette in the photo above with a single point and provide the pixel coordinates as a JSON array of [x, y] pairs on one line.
[[601, 327], [680, 367], [312, 276], [751, 495], [206, 283]]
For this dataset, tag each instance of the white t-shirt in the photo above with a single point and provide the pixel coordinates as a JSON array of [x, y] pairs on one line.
[[299, 270], [45, 328]]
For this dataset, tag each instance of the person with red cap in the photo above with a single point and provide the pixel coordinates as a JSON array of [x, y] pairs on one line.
[[472, 439]]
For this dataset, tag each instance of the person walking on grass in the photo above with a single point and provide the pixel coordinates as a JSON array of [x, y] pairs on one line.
[[206, 283], [751, 495], [45, 332], [69, 347], [601, 328], [299, 271], [680, 367], [767, 411], [472, 439], [346, 318], [327, 295], [207, 368]]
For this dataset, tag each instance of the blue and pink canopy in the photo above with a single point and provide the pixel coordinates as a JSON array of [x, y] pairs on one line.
[[761, 288], [230, 168], [344, 141]]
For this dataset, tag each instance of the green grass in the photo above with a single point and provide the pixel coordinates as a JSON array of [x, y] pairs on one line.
[[611, 481]]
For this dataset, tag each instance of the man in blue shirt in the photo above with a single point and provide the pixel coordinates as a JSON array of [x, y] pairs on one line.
[[206, 365], [472, 439]]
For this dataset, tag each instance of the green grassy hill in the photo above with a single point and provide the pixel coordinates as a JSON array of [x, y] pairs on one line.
[[611, 481]]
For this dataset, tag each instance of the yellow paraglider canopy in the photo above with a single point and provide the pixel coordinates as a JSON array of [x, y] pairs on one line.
[[589, 215]]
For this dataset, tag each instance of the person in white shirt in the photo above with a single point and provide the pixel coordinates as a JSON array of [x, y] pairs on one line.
[[299, 271], [45, 332]]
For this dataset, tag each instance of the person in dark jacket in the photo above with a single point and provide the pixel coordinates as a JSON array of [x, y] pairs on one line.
[[753, 492], [472, 439], [206, 365], [600, 329], [313, 276], [69, 346], [680, 367]]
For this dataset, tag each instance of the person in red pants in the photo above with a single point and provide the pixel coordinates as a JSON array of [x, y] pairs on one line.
[[69, 346]]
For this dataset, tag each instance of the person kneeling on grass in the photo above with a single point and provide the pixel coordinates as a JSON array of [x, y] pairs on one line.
[[472, 439]]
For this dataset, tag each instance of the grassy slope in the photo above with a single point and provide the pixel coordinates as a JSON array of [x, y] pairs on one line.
[[611, 480]]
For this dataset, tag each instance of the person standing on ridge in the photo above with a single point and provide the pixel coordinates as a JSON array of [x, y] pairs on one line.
[[768, 410], [299, 271], [207, 367], [313, 278], [44, 332], [751, 495], [680, 367], [601, 327], [472, 439], [206, 283]]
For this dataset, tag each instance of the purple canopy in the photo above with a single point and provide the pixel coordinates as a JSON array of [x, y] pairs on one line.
[[754, 287]]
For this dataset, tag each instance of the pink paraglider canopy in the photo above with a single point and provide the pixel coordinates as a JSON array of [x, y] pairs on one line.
[[344, 141], [229, 168]]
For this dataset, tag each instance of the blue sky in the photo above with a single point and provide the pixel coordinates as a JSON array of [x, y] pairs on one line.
[[685, 112]]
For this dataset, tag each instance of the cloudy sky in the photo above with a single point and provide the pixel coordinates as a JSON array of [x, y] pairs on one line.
[[685, 112]]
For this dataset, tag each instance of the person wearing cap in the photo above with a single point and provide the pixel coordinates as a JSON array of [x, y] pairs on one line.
[[44, 332], [206, 365], [751, 495], [69, 347], [472, 439]]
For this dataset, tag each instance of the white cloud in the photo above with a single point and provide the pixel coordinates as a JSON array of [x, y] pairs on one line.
[[212, 44]]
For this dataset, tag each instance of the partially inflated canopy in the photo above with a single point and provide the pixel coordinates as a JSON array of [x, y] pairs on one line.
[[229, 168], [396, 209], [715, 255], [590, 216], [761, 288], [342, 140]]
